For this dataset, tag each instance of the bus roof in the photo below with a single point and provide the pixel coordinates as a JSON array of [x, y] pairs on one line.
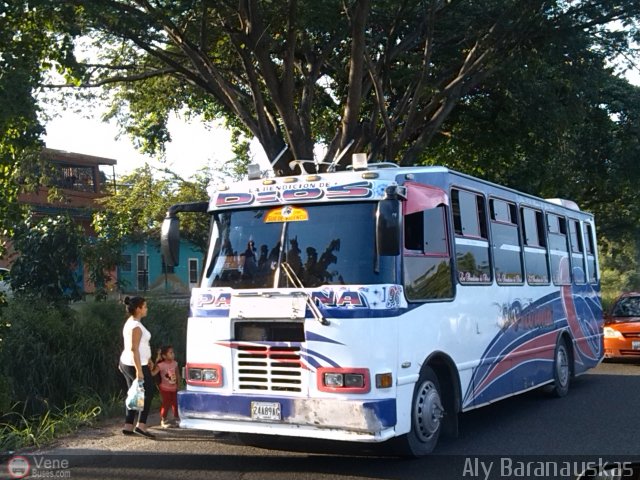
[[344, 185]]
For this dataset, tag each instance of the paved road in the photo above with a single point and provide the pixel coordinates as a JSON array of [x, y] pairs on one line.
[[524, 437]]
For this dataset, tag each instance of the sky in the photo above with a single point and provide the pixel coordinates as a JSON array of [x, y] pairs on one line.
[[192, 146]]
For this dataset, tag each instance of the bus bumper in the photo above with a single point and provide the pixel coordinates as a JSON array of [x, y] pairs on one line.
[[371, 420]]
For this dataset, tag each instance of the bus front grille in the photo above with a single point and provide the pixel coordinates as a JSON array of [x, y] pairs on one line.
[[262, 368]]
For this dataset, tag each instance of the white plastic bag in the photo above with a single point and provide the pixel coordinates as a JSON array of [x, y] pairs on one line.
[[135, 396]]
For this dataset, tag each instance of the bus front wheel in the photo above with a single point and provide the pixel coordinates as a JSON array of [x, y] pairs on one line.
[[426, 417]]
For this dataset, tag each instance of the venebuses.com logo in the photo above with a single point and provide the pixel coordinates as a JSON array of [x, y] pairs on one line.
[[18, 467], [38, 467]]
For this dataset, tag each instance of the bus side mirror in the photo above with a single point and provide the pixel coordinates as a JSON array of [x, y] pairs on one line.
[[388, 227], [170, 241]]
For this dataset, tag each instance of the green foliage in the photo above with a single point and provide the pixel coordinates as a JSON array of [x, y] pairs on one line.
[[555, 126], [38, 354], [18, 431], [103, 252], [619, 268], [34, 38], [49, 249], [136, 210], [167, 322], [5, 394]]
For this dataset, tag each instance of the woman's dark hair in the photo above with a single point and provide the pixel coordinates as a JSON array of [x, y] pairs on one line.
[[133, 303]]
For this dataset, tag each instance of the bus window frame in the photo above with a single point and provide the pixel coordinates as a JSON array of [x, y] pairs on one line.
[[520, 245], [580, 253], [480, 216], [541, 230], [590, 250], [560, 220], [418, 254]]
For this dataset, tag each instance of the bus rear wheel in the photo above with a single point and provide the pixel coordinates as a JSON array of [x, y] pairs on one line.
[[426, 417], [561, 370]]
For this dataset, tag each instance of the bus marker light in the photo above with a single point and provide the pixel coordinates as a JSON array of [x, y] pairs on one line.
[[384, 380]]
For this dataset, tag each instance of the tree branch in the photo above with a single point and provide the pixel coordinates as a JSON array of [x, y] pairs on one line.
[[356, 71], [118, 78]]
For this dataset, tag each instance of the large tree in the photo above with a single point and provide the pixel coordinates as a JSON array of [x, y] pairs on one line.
[[26, 41], [511, 83], [378, 76], [554, 127]]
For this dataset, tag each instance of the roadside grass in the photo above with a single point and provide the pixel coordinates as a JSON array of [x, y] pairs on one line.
[[18, 431]]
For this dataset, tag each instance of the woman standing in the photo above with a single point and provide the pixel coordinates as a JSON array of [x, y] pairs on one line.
[[135, 362]]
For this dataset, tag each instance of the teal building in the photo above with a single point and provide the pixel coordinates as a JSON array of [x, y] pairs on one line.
[[144, 270]]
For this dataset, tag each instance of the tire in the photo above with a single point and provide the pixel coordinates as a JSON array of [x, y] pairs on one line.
[[561, 370], [426, 417]]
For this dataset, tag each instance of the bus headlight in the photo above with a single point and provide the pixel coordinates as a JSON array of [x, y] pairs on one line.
[[207, 375], [343, 380], [334, 379]]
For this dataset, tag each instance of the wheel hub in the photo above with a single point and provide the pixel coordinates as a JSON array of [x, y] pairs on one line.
[[562, 366], [428, 411]]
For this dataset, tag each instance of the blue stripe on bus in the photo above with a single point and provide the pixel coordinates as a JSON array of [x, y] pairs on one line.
[[312, 354], [530, 372], [537, 322], [358, 312], [314, 337]]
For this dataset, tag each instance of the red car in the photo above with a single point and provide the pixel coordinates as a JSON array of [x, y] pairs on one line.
[[622, 327]]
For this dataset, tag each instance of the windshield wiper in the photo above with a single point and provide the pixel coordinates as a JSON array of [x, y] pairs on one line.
[[295, 280], [282, 243]]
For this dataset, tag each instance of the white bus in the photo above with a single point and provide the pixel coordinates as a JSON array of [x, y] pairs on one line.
[[376, 304]]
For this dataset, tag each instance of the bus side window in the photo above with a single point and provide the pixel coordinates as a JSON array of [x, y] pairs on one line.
[[558, 249], [413, 228], [535, 248], [427, 262], [435, 232], [472, 244], [577, 252], [589, 243], [507, 254]]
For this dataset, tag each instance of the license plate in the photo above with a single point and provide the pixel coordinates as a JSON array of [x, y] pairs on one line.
[[266, 411], [635, 344]]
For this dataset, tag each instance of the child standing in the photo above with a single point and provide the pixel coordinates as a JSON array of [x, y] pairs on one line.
[[169, 372]]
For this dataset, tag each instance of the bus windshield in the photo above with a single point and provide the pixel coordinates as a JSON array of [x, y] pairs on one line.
[[297, 246]]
